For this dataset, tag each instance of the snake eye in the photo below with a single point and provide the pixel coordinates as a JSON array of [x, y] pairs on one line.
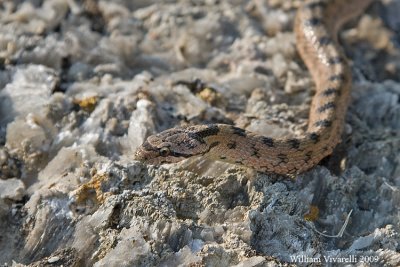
[[164, 151]]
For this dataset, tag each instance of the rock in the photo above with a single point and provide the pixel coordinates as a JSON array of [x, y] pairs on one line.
[[12, 189]]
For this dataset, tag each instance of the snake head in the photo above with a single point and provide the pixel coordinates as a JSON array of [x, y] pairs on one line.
[[172, 146]]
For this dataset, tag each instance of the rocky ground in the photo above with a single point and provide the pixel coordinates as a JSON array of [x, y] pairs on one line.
[[83, 83]]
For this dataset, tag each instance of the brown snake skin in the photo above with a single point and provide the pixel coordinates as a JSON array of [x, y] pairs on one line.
[[316, 27]]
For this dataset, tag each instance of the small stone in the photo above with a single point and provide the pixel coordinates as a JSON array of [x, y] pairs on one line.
[[12, 189], [53, 259]]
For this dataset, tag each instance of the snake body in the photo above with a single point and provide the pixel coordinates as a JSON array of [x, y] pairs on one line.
[[316, 27]]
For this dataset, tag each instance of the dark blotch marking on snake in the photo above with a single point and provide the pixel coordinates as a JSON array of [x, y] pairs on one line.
[[209, 131], [331, 91], [283, 158], [191, 145], [324, 40], [213, 145], [323, 123], [314, 137], [337, 77], [231, 145], [255, 152], [313, 22], [308, 156], [335, 60], [294, 143], [317, 4], [239, 131], [267, 141], [197, 137], [325, 107], [325, 148]]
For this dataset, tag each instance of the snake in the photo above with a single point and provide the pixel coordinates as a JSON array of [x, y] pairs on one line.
[[316, 27]]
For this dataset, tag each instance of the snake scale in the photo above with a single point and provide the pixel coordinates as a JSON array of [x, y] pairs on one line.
[[316, 27]]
